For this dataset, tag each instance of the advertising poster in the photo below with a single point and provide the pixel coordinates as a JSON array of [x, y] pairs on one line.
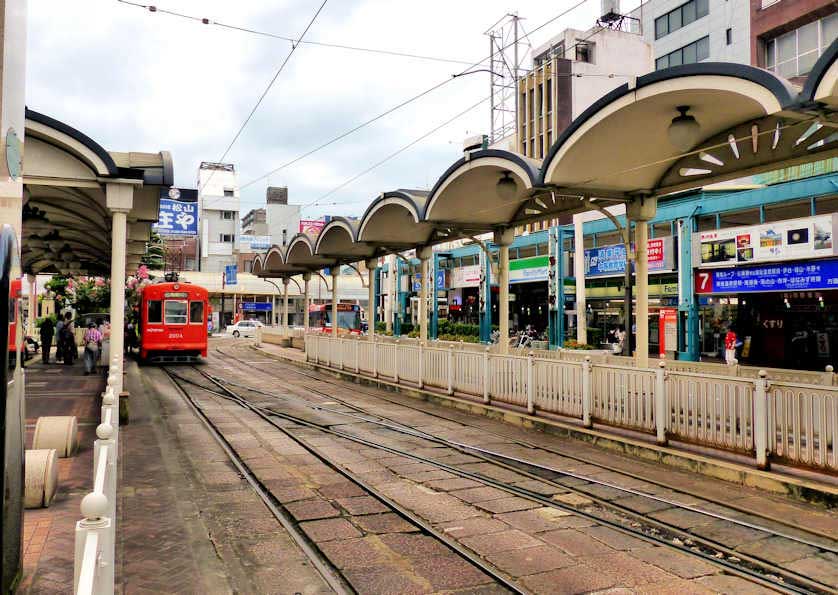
[[312, 227], [809, 237], [611, 260]]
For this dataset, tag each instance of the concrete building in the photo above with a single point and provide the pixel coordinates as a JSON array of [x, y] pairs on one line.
[[283, 220], [218, 203], [788, 36], [569, 73], [255, 223], [695, 31]]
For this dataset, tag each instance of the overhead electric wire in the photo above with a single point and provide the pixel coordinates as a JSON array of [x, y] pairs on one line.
[[403, 103], [396, 153], [207, 21]]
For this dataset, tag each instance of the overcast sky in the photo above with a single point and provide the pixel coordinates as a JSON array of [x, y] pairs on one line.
[[141, 81]]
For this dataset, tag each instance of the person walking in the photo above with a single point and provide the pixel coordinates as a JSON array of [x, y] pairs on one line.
[[69, 350], [47, 331], [92, 345], [730, 347]]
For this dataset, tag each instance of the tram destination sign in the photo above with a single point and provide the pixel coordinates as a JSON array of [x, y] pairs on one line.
[[812, 275]]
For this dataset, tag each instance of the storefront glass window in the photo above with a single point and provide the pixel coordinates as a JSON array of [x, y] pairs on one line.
[[737, 218], [789, 210]]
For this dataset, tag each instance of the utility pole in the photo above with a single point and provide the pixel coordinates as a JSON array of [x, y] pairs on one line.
[[491, 88], [515, 76]]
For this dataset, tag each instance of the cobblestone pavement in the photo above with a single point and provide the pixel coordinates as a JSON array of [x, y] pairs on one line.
[[546, 549]]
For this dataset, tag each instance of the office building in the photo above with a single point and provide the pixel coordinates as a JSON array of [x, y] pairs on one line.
[[255, 223], [283, 219], [218, 202]]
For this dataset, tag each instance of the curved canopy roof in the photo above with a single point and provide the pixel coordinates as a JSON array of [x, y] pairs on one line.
[[749, 121], [66, 222]]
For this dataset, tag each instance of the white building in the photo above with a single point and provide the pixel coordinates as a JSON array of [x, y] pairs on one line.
[[218, 203], [697, 30], [283, 219]]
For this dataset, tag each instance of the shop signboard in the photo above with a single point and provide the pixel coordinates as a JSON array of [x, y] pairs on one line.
[[819, 274], [468, 276], [248, 243], [177, 218], [610, 261], [794, 239], [255, 306], [312, 227], [667, 331], [528, 270]]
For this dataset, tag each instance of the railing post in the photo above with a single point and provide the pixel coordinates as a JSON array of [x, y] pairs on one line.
[[450, 369], [660, 402], [586, 392], [258, 336], [396, 362], [97, 575], [486, 376], [374, 357], [530, 387], [340, 353], [828, 376], [760, 424], [421, 364], [357, 349]]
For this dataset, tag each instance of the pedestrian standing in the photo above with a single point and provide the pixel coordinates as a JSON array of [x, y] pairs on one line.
[[92, 346], [730, 347], [47, 333]]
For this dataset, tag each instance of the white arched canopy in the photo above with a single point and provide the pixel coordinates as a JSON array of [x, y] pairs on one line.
[[394, 221]]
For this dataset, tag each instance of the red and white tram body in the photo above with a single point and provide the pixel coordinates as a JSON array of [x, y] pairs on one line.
[[173, 322]]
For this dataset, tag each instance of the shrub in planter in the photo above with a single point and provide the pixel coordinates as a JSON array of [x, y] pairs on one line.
[[572, 344]]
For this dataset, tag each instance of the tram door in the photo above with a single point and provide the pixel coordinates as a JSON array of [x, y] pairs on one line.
[[11, 410]]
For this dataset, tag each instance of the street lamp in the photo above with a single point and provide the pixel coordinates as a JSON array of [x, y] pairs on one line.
[[684, 130]]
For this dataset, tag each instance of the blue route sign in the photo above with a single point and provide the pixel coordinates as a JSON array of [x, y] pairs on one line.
[[256, 306], [231, 274]]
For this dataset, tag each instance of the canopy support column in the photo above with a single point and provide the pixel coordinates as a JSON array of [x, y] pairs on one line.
[[579, 273], [120, 200], [424, 255], [285, 283], [372, 265], [306, 279], [641, 211], [503, 238], [389, 307], [335, 273]]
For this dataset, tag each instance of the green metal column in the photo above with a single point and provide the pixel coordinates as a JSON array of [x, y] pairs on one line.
[[485, 297], [688, 322], [397, 306]]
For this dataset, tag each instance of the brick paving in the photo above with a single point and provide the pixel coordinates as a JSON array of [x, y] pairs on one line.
[[564, 552], [49, 533]]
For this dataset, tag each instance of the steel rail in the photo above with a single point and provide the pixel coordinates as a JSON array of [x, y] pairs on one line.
[[406, 514], [762, 578], [322, 564], [486, 456], [592, 480], [630, 474]]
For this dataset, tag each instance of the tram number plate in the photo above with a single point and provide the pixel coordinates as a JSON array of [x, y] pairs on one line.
[[176, 335]]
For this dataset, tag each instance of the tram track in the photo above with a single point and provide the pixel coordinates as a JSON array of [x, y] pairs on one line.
[[678, 489], [324, 566], [761, 571]]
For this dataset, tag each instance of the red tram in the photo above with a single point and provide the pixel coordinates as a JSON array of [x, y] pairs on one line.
[[349, 318], [173, 322]]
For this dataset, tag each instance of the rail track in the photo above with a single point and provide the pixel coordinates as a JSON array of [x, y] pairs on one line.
[[604, 512], [807, 533], [330, 574]]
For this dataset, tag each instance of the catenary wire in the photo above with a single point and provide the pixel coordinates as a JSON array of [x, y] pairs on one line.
[[207, 21], [403, 103]]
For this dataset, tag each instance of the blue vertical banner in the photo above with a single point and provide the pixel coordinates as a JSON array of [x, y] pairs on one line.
[[231, 274]]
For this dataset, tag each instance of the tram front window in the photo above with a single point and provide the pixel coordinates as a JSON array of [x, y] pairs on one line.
[[174, 312]]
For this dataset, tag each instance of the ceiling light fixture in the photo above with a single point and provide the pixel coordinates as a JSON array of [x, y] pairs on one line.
[[506, 187], [683, 130]]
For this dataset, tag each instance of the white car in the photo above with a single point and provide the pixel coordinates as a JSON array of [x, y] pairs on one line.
[[244, 328]]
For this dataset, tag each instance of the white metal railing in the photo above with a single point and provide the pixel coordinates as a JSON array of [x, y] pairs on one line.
[[95, 544], [765, 415]]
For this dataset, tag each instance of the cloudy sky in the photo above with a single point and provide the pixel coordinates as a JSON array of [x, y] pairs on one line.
[[141, 81]]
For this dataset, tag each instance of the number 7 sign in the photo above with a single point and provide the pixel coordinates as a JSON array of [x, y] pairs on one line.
[[703, 282]]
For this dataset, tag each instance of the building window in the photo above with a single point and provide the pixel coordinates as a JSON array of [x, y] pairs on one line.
[[228, 192], [795, 53], [694, 52], [226, 238], [729, 36], [583, 52], [230, 215], [681, 17], [549, 95], [248, 266]]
